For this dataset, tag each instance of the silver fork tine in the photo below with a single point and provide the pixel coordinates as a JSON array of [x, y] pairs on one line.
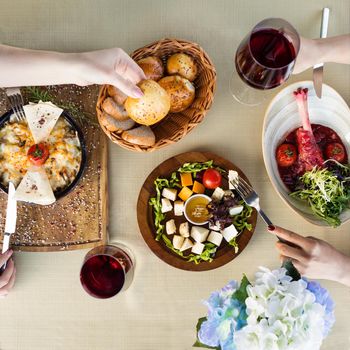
[[16, 101]]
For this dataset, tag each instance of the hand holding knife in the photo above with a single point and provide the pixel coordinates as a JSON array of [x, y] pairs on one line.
[[10, 225]]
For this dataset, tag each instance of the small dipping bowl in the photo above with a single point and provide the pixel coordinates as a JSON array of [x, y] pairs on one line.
[[195, 210]]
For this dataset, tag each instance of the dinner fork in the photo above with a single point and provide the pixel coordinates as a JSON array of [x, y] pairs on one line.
[[251, 198], [16, 101]]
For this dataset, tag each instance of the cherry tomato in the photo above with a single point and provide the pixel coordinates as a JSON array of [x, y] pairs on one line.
[[212, 178], [335, 151], [286, 155], [38, 153]]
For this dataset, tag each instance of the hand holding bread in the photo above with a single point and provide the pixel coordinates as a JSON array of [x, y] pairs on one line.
[[148, 122]]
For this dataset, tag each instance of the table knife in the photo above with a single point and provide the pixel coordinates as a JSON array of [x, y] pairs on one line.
[[11, 218], [318, 68]]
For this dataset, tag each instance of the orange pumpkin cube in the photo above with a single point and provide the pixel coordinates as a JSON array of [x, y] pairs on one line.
[[186, 179], [198, 187], [185, 193]]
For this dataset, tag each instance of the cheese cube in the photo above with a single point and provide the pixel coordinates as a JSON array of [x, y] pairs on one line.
[[197, 248], [198, 188], [215, 237], [199, 234], [228, 193], [170, 227], [236, 210], [169, 193], [229, 233], [186, 179], [185, 193], [184, 229], [166, 205], [178, 241], [187, 244], [217, 194], [232, 177], [178, 208]]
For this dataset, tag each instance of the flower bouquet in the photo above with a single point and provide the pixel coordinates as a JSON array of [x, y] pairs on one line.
[[276, 312]]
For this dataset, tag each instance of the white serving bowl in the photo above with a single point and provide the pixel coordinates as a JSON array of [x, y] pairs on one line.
[[282, 117]]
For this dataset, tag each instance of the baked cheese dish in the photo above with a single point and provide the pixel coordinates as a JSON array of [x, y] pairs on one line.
[[62, 164]]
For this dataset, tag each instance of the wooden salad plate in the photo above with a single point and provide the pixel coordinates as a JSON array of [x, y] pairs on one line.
[[145, 214], [78, 220]]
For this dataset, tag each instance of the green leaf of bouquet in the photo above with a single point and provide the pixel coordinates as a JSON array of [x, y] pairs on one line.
[[291, 270], [241, 294], [198, 344]]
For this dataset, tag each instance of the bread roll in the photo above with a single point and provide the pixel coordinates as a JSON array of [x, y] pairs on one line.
[[152, 107], [183, 65], [180, 90], [143, 136], [112, 124], [116, 111], [152, 67], [117, 95]]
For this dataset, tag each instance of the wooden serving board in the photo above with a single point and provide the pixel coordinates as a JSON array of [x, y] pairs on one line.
[[79, 220], [145, 215]]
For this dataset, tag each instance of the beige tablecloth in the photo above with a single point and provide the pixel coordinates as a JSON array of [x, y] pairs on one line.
[[48, 308]]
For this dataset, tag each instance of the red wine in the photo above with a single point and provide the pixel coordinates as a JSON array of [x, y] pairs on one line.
[[102, 276], [265, 59]]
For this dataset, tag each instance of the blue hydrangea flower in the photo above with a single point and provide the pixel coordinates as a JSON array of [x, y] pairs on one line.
[[322, 297], [225, 316]]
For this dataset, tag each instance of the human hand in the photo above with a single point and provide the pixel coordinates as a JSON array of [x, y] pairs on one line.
[[110, 66], [307, 56], [312, 257], [7, 278]]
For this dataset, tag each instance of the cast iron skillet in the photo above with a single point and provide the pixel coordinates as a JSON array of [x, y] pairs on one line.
[[61, 193]]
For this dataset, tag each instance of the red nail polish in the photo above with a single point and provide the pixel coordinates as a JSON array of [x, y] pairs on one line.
[[271, 228]]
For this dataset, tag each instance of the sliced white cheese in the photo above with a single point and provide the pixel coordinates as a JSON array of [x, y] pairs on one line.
[[169, 193], [215, 227], [187, 244], [41, 118], [184, 229], [197, 248], [178, 208], [166, 205], [236, 210], [215, 237], [178, 241], [217, 194], [170, 227], [229, 233], [35, 188], [232, 177], [199, 234]]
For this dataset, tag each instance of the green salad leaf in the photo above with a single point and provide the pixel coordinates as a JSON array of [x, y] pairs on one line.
[[240, 221], [325, 193]]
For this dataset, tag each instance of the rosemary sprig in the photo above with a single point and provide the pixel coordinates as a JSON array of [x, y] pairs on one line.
[[36, 94]]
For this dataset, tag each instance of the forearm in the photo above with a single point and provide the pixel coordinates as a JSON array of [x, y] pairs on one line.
[[335, 49], [344, 270], [22, 67]]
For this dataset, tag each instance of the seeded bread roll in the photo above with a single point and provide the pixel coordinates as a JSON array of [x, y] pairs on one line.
[[116, 111], [152, 67], [142, 135], [180, 90], [183, 65], [152, 107], [117, 95], [112, 124]]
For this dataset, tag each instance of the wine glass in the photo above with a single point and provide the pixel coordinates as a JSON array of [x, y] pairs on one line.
[[107, 270], [264, 60]]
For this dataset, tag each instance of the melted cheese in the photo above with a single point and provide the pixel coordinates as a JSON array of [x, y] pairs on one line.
[[62, 165]]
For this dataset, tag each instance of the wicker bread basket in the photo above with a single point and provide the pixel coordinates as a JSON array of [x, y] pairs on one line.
[[175, 125]]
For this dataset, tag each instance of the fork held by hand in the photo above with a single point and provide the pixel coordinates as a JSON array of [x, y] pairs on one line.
[[16, 101], [251, 198]]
